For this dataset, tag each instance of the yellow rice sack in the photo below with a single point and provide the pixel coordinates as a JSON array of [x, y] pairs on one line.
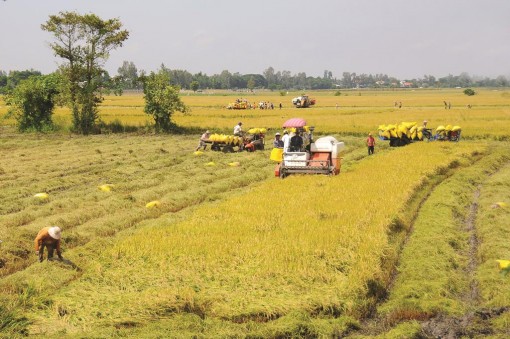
[[41, 196], [153, 204], [276, 154]]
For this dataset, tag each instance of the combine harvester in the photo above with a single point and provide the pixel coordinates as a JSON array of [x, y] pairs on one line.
[[239, 104], [321, 156], [407, 132], [303, 101]]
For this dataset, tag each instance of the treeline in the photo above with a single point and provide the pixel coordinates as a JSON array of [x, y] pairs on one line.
[[285, 80], [128, 77]]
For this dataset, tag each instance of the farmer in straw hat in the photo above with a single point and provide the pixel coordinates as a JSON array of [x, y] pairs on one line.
[[48, 237], [203, 138]]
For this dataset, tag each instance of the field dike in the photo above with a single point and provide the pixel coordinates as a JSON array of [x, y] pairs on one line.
[[438, 290], [304, 256]]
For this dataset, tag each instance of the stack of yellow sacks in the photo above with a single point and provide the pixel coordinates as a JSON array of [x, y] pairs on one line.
[[442, 131], [411, 130], [408, 129], [226, 139], [257, 131]]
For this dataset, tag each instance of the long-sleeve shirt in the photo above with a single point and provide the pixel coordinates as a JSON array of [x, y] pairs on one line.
[[44, 238]]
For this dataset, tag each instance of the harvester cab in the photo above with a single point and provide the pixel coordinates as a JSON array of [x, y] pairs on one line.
[[321, 156]]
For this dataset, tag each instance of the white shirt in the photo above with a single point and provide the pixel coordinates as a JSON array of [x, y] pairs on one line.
[[238, 129], [286, 141]]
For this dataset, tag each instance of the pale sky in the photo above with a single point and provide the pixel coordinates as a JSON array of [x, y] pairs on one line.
[[401, 38]]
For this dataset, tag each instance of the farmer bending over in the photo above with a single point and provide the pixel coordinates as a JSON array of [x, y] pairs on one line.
[[48, 237]]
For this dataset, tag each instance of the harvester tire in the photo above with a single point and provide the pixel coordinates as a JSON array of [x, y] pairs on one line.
[[228, 149]]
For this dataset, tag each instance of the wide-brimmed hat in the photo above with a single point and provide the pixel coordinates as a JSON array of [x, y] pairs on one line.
[[55, 232], [277, 134], [207, 132]]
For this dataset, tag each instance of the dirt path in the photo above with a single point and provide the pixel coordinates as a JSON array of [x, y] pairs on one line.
[[469, 324]]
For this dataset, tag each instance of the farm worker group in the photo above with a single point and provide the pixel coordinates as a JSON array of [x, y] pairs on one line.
[[48, 237], [292, 144]]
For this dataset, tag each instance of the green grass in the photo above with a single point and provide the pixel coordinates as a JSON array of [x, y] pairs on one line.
[[432, 276], [492, 231]]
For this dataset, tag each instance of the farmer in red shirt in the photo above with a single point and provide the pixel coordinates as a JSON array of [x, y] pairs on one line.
[[370, 144]]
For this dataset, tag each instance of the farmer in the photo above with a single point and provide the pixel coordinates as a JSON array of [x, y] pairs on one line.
[[277, 142], [48, 237], [427, 133], [370, 144], [286, 140], [296, 142], [238, 129], [203, 138]]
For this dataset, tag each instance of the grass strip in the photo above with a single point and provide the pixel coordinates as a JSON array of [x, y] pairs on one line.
[[432, 275]]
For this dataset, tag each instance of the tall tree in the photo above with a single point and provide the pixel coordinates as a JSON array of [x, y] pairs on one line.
[[161, 100], [270, 77], [128, 75], [194, 86], [84, 42]]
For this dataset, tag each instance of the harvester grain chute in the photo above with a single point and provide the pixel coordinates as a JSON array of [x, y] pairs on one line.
[[303, 101], [321, 156]]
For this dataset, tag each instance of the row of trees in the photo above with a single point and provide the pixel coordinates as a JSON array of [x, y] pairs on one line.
[[279, 80], [83, 42], [129, 77]]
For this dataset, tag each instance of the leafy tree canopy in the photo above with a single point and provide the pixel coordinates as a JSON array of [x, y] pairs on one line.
[[84, 42], [161, 100]]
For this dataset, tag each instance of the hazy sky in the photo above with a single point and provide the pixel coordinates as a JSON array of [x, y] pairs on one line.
[[402, 38]]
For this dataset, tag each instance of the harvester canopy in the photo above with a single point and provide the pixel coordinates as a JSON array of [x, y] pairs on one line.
[[294, 122]]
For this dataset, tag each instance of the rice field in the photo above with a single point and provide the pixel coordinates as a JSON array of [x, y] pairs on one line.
[[400, 244], [358, 111]]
